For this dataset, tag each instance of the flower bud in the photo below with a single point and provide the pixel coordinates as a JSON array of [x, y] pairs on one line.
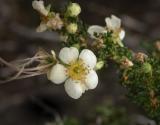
[[39, 6], [72, 28], [126, 63], [99, 65], [147, 68], [140, 57], [73, 10]]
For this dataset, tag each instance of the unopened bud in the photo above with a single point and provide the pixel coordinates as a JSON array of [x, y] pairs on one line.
[[140, 57], [99, 65], [147, 68], [126, 63], [74, 9], [72, 28]]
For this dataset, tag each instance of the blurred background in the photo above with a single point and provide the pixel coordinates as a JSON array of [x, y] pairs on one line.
[[35, 101]]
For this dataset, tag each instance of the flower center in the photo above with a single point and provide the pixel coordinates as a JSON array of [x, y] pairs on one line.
[[77, 70]]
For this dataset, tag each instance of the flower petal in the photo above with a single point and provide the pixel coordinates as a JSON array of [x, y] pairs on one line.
[[42, 27], [68, 55], [88, 57], [113, 23], [91, 80], [57, 74], [122, 34], [73, 88], [95, 29], [39, 6]]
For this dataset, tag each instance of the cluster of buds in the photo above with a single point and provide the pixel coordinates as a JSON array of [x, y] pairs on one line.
[[73, 10], [126, 63], [140, 57]]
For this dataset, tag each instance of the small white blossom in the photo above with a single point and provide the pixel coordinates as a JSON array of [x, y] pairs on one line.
[[74, 9], [72, 28], [96, 29], [77, 71], [112, 24], [54, 22], [39, 6]]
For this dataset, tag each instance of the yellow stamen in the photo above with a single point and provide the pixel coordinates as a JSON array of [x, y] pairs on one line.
[[77, 70]]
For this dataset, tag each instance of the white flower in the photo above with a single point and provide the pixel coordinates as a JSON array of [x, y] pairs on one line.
[[113, 24], [77, 71], [96, 29], [54, 23], [74, 9], [39, 6]]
